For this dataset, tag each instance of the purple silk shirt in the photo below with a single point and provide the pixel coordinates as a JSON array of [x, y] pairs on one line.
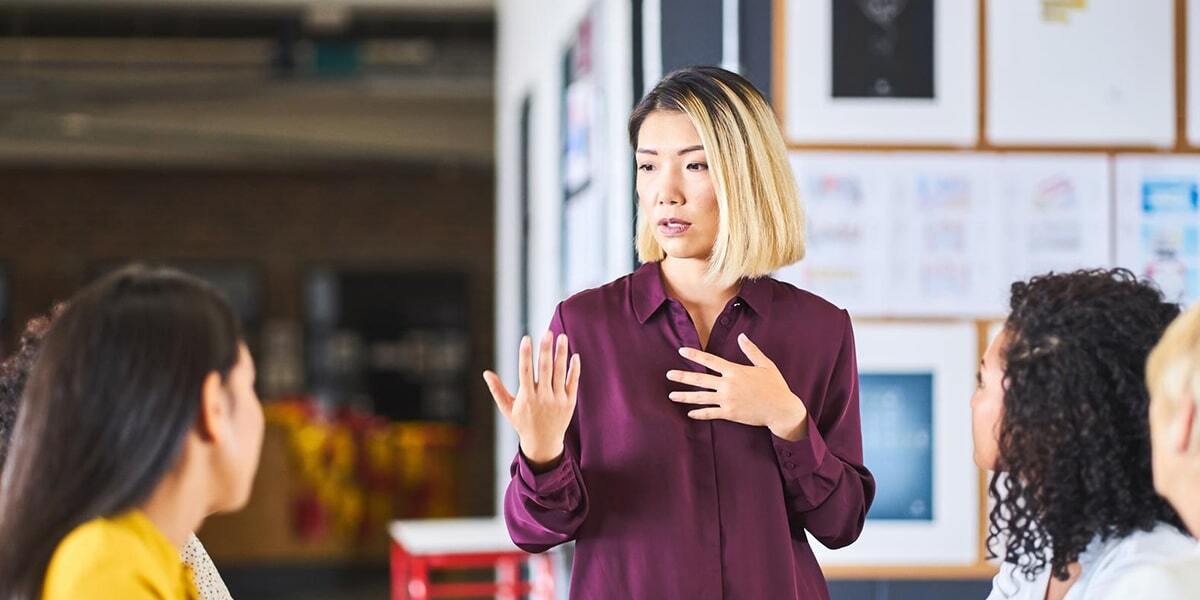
[[664, 507]]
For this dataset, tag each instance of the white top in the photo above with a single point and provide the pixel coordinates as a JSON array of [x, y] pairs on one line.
[[204, 572], [452, 536], [1176, 579], [1102, 565]]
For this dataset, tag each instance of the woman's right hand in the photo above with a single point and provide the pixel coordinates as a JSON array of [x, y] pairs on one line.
[[542, 409]]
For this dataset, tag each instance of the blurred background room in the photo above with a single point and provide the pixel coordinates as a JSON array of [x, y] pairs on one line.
[[392, 192]]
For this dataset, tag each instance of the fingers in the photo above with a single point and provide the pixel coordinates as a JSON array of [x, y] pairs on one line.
[[692, 378], [711, 361], [752, 352], [545, 361], [706, 398], [560, 366], [504, 400], [707, 414], [573, 379], [525, 363]]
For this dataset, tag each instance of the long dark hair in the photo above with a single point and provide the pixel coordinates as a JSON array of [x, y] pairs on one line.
[[1074, 445], [113, 391]]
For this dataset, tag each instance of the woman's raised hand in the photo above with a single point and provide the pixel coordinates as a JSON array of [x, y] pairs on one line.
[[542, 408]]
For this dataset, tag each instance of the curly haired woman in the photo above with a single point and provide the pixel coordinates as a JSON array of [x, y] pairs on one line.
[[1060, 416]]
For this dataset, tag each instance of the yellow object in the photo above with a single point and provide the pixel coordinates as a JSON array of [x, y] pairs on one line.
[[119, 557], [1059, 11]]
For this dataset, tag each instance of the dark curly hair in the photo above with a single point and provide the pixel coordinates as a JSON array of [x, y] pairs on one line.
[[1074, 448], [15, 370]]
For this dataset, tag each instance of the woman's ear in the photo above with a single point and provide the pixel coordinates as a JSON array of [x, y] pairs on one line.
[[214, 409], [1183, 427]]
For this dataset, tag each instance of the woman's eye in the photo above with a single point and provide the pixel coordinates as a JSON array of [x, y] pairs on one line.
[[645, 167], [697, 166]]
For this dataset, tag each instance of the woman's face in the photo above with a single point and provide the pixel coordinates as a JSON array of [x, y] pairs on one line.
[[987, 404], [242, 444], [674, 187]]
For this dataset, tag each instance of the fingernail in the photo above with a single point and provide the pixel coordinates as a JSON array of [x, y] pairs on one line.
[[683, 351]]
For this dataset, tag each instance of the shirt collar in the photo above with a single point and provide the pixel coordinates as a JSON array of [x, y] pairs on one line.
[[649, 294]]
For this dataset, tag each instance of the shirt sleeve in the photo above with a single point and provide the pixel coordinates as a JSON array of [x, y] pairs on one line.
[[543, 510], [827, 487], [208, 581]]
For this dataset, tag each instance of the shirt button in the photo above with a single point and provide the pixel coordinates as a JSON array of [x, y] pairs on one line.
[[790, 465], [725, 321], [787, 453]]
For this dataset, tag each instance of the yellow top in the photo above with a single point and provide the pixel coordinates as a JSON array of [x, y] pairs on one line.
[[117, 557]]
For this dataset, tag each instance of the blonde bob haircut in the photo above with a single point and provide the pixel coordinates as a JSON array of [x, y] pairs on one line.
[[1173, 368], [761, 226]]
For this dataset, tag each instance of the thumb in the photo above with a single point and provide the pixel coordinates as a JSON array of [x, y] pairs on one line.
[[504, 400]]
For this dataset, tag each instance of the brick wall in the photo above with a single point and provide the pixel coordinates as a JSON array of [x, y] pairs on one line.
[[58, 224]]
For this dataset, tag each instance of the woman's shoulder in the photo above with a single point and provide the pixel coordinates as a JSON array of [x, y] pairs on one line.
[[604, 299], [784, 294], [109, 553], [1163, 542], [1107, 562], [1167, 580]]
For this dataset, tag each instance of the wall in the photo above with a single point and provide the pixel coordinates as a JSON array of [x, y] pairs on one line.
[[57, 224], [532, 38]]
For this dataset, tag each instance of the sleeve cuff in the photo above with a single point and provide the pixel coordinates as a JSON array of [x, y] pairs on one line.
[[549, 482], [801, 458]]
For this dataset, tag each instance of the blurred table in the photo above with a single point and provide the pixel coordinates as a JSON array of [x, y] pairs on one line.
[[419, 546]]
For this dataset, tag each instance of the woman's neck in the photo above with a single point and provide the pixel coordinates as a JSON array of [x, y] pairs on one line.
[[686, 281], [173, 508], [1188, 508]]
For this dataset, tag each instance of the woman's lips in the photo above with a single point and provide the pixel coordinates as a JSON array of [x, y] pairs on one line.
[[673, 227]]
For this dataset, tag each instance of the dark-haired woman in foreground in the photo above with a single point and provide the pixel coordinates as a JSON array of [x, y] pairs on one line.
[[139, 419], [1060, 415], [14, 371]]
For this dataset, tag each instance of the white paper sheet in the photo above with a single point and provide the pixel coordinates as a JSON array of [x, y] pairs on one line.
[[1102, 72]]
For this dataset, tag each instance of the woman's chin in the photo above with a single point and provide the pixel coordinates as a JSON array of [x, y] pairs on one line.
[[682, 250]]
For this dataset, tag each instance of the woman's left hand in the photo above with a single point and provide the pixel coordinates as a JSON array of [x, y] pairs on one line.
[[754, 394]]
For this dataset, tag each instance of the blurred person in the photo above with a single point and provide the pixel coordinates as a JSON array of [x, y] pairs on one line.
[[14, 371], [716, 427], [1060, 417], [1173, 377], [138, 420]]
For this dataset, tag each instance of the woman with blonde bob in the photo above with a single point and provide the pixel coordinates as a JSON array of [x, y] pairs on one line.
[[1173, 377], [717, 427]]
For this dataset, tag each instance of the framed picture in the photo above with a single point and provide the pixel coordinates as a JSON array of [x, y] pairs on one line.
[[1058, 73], [945, 235], [584, 230], [878, 71], [1054, 214], [1193, 81], [898, 234], [1158, 222], [916, 380]]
